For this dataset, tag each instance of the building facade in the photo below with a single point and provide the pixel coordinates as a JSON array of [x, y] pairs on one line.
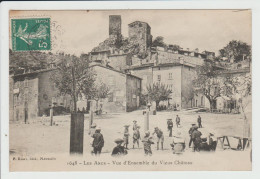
[[124, 89], [141, 32], [34, 93]]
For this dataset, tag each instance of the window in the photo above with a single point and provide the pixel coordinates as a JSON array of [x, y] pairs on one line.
[[170, 75], [159, 77], [170, 87]]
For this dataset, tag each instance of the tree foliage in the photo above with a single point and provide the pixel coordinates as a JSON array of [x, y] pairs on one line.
[[99, 91], [174, 47], [159, 41], [158, 92], [240, 87], [83, 75], [208, 83], [236, 50]]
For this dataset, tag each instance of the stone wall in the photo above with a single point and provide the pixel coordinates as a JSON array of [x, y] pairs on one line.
[[116, 81], [170, 57], [133, 91], [140, 31], [26, 97], [114, 25], [120, 61], [146, 74]]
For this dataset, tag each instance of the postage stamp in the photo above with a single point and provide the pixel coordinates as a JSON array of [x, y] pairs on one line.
[[31, 34]]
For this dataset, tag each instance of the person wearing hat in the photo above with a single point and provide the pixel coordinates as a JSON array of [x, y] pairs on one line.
[[92, 129], [178, 121], [98, 142], [199, 122], [160, 137], [119, 150], [147, 141], [170, 126], [212, 142], [136, 136], [126, 136], [196, 138], [91, 133], [190, 132], [178, 144]]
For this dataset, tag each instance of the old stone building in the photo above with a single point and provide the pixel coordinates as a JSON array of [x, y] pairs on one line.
[[124, 89], [177, 76], [33, 93], [114, 25], [141, 32], [173, 67]]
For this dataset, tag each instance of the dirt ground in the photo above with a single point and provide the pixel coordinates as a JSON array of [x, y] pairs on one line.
[[39, 138]]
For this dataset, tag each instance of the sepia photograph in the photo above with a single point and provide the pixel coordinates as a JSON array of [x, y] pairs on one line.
[[130, 90]]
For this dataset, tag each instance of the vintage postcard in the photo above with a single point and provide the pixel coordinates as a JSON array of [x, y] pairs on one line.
[[130, 90]]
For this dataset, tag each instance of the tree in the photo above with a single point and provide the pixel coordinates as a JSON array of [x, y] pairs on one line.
[[236, 50], [100, 91], [158, 41], [240, 87], [158, 92], [74, 77], [174, 47], [208, 83]]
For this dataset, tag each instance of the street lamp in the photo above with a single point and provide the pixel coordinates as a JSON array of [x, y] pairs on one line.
[[51, 111], [146, 117], [149, 105]]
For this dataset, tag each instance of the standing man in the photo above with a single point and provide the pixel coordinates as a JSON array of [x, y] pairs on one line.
[[170, 126], [160, 137], [196, 138], [178, 121], [190, 133], [147, 141], [199, 122], [98, 142]]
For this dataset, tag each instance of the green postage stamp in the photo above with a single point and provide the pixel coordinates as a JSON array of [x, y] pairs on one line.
[[31, 34]]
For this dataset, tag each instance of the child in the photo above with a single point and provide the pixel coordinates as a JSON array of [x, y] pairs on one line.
[[98, 142], [147, 143], [126, 136], [119, 150], [160, 137], [136, 136], [170, 126]]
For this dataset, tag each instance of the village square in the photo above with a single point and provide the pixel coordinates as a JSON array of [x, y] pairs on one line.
[[128, 96]]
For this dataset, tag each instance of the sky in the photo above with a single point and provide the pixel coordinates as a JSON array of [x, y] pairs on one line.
[[77, 32]]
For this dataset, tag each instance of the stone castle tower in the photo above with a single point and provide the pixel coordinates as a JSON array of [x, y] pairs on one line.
[[141, 31], [114, 25]]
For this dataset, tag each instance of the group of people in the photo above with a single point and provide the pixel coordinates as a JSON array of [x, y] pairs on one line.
[[178, 144]]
